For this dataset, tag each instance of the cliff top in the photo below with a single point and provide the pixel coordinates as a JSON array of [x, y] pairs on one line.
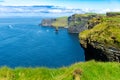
[[60, 22], [55, 22]]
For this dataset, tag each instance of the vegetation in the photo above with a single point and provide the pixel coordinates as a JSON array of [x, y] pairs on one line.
[[89, 71], [88, 15], [82, 19], [78, 19], [61, 22], [111, 14], [106, 32]]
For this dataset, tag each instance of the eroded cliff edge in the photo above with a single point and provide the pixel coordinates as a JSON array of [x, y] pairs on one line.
[[102, 42], [75, 23], [78, 22]]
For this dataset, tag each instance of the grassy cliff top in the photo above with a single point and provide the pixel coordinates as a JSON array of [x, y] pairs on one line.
[[60, 22], [89, 71], [83, 15], [87, 15], [106, 32]]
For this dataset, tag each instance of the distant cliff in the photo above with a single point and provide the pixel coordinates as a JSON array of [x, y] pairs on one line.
[[79, 22], [57, 22], [47, 22], [111, 14], [75, 23], [102, 42]]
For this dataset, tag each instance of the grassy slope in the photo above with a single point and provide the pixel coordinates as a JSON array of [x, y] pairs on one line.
[[61, 22], [107, 32], [90, 71]]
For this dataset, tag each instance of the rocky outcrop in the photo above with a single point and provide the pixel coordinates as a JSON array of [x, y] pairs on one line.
[[47, 22], [102, 42], [79, 22], [94, 21]]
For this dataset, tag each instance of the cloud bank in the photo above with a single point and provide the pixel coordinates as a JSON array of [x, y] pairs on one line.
[[49, 9]]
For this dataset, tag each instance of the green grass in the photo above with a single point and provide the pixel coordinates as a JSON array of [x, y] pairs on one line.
[[90, 71], [61, 22]]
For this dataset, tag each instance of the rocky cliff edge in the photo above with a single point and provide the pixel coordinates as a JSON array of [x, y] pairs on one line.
[[102, 42]]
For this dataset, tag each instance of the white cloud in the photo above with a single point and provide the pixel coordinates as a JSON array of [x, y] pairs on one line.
[[50, 9], [108, 10]]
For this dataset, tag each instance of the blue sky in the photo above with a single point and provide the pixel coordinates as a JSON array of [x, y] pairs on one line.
[[82, 4]]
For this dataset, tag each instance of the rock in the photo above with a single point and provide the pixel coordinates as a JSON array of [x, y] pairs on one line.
[[76, 74], [78, 22], [100, 52], [94, 21]]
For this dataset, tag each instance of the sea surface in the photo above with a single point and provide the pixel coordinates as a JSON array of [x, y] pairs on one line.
[[23, 43]]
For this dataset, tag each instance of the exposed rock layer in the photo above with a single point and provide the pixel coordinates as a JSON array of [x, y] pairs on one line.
[[100, 52], [78, 22], [102, 42]]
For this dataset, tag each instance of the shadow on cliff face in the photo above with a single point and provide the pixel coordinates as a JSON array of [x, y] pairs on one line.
[[92, 53], [101, 54]]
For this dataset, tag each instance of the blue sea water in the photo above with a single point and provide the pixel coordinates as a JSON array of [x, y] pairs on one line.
[[25, 44]]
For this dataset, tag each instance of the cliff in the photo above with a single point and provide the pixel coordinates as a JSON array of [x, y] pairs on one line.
[[75, 23], [78, 22], [111, 14], [102, 42], [61, 22], [47, 22], [57, 22]]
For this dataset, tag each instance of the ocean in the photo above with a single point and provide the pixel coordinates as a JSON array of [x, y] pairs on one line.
[[23, 43]]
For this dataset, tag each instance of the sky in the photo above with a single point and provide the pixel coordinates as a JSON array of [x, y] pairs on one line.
[[80, 4]]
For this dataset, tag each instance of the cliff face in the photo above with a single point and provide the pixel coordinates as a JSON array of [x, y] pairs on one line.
[[47, 22], [78, 22], [101, 52], [111, 14], [75, 23], [102, 42]]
